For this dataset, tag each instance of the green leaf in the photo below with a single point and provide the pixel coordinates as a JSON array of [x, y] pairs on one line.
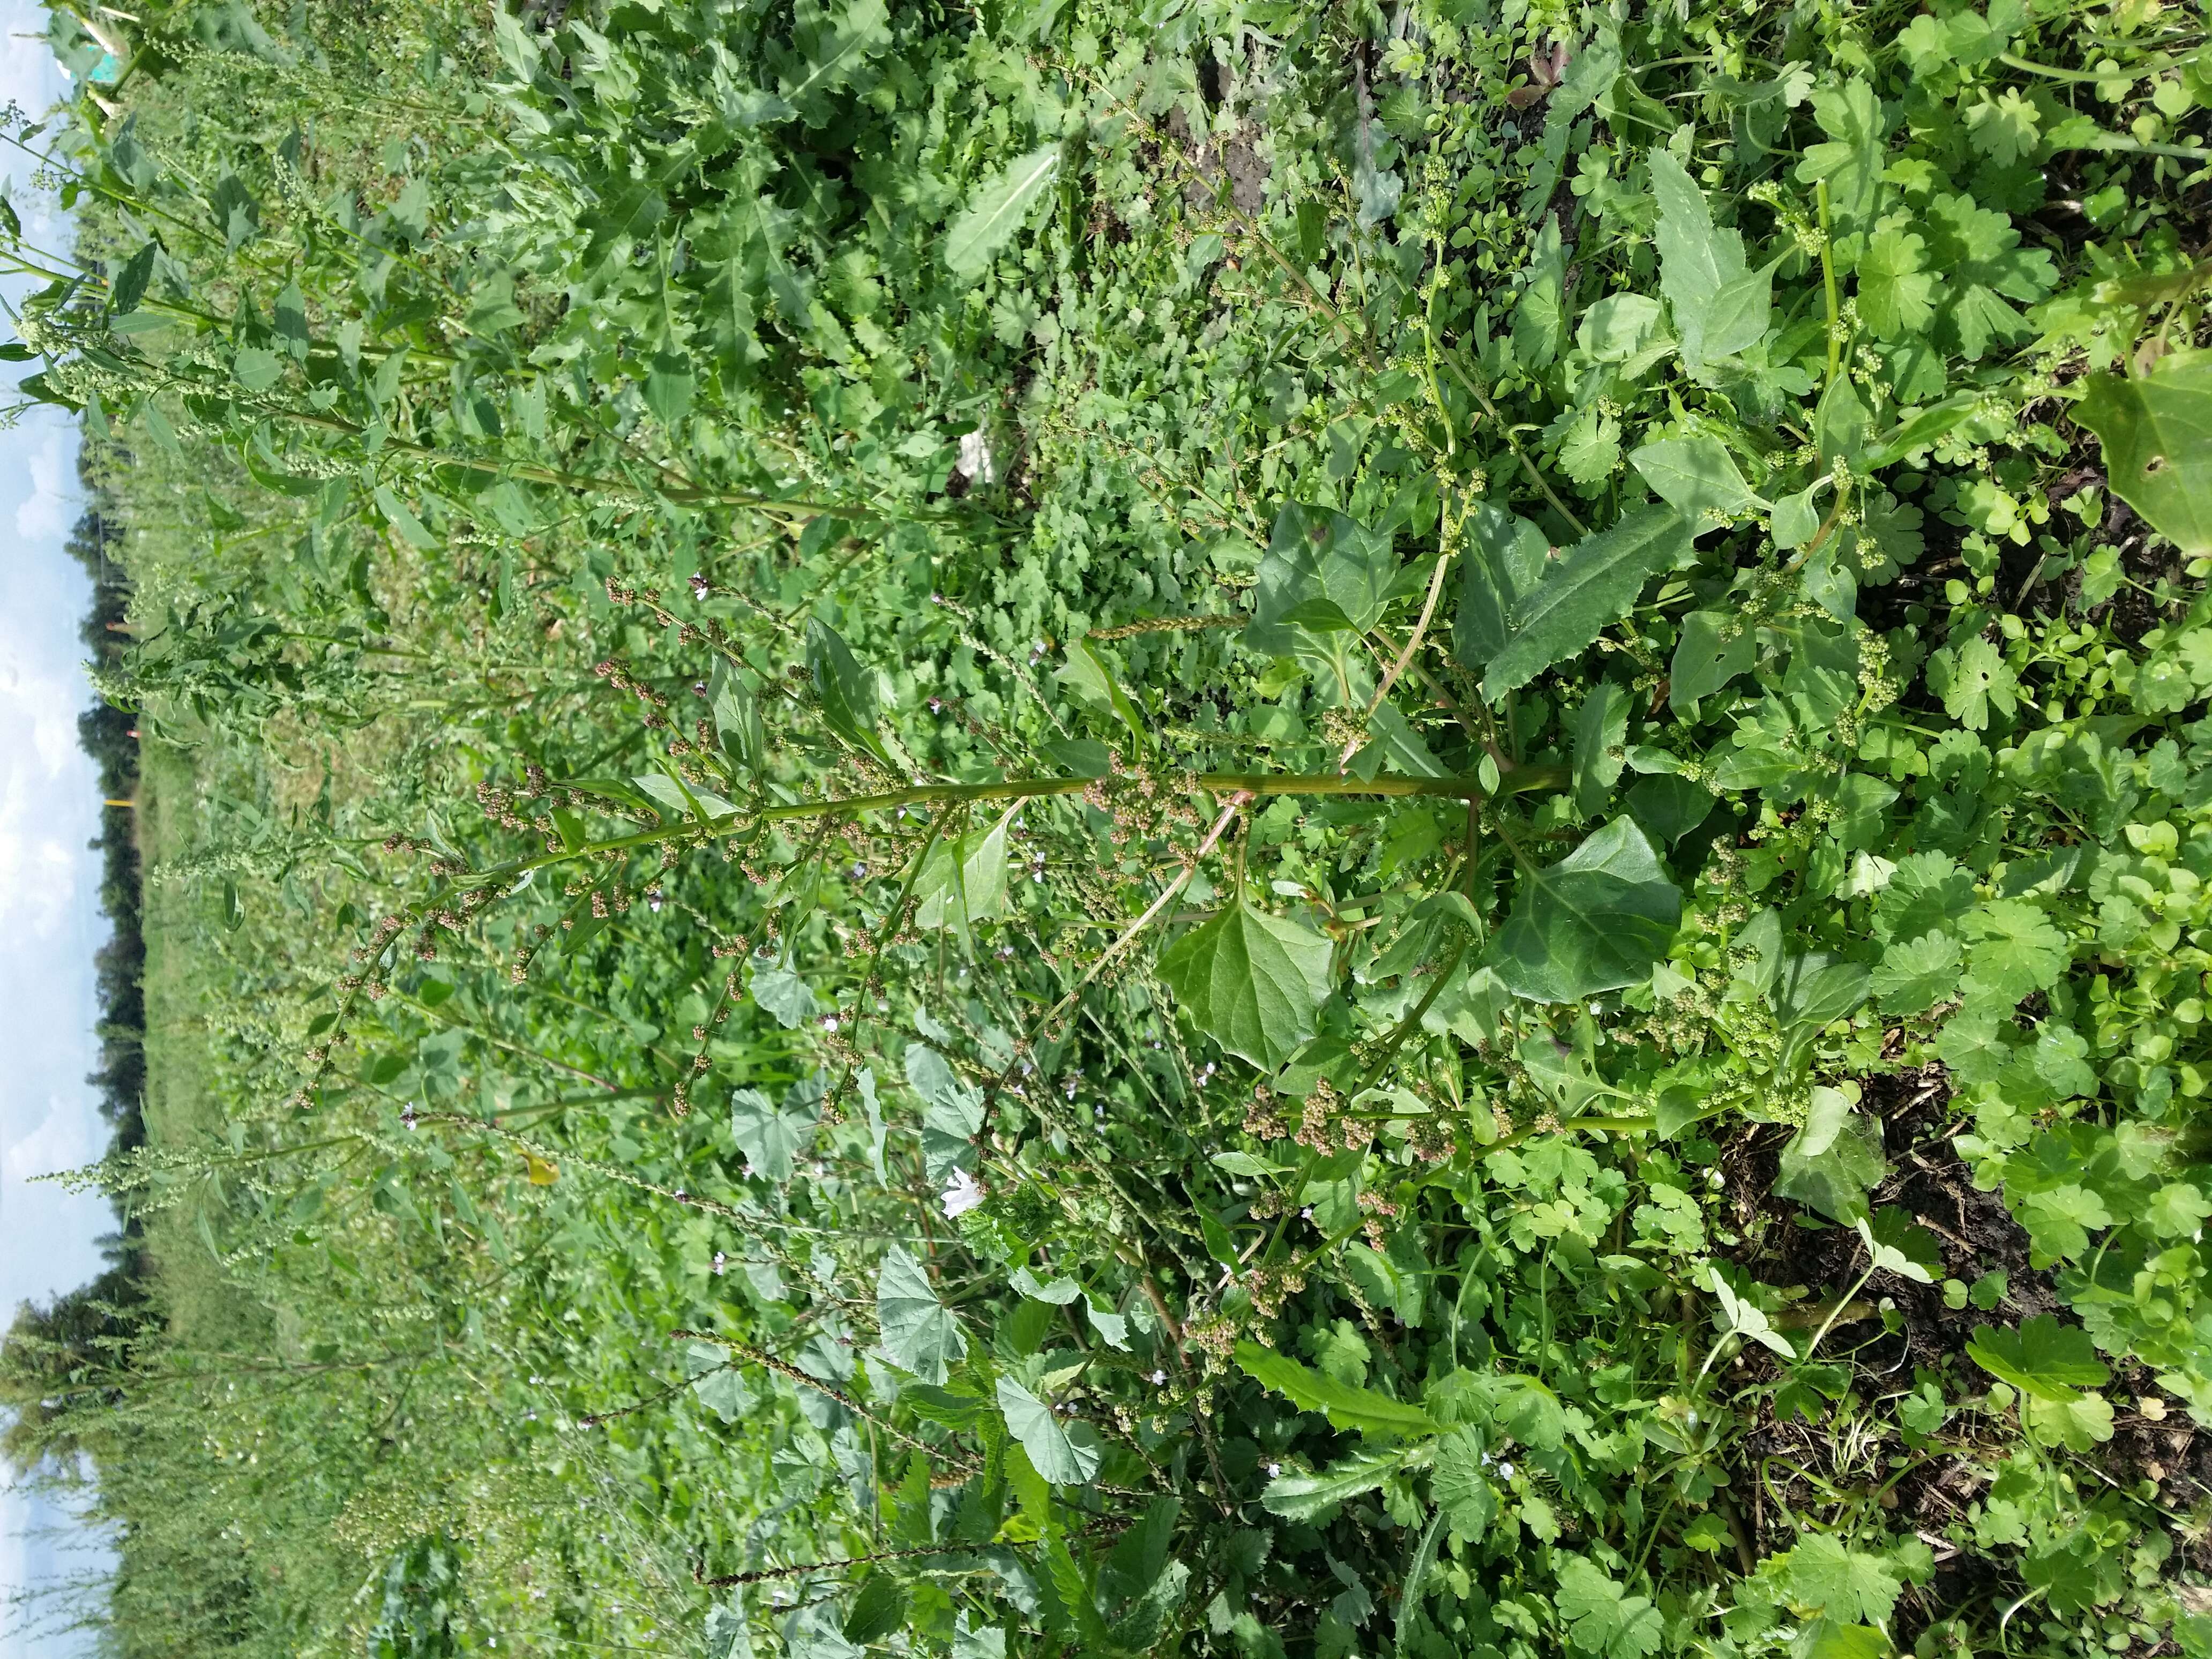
[[1747, 1319], [963, 880], [717, 1383], [1251, 982], [1716, 647], [1601, 731], [1698, 477], [1362, 1410], [1305, 1497], [2077, 1424], [1595, 921], [783, 993], [1721, 308], [737, 717], [2059, 1221], [2156, 431], [682, 800], [878, 1610], [846, 690], [1850, 163], [1822, 1575], [1461, 1485], [997, 210], [131, 282], [768, 1136], [1411, 1587], [2042, 1358], [1314, 553], [918, 1332], [1896, 293], [669, 386], [1833, 1175], [1593, 585], [1064, 1453], [257, 368], [1915, 974], [1088, 677], [1504, 558], [1602, 1616]]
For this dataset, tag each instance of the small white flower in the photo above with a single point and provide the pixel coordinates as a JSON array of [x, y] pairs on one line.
[[1275, 1471], [1158, 1378], [961, 1194], [1505, 1471]]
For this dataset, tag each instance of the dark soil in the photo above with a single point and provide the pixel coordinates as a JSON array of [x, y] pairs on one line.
[[1793, 1469]]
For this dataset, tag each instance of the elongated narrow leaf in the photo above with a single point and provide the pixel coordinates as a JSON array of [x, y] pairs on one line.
[[1597, 920], [920, 1333], [1252, 981], [1303, 1497], [1595, 584], [995, 212], [1345, 1406]]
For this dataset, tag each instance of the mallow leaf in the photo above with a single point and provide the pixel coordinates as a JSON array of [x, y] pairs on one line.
[[1064, 1453], [1593, 585], [1597, 920], [1251, 982], [918, 1332]]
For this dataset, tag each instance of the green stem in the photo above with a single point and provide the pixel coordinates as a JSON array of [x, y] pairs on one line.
[[1828, 284]]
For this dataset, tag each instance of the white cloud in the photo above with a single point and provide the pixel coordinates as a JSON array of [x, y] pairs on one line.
[[41, 770], [44, 513], [67, 1138]]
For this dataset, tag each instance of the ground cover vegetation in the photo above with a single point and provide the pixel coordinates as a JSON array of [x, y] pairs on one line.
[[1232, 828]]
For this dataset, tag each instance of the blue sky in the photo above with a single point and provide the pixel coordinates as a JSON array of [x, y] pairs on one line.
[[50, 920]]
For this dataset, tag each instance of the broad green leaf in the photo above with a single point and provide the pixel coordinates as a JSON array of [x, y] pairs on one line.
[[131, 282], [1316, 554], [783, 993], [1088, 675], [1363, 1410], [682, 800], [669, 386], [1503, 557], [2042, 1358], [964, 881], [1851, 161], [1822, 1575], [717, 1383], [1251, 982], [2079, 1424], [1896, 291], [1600, 730], [1721, 308], [918, 1332], [1066, 1454], [1716, 645], [1462, 1485], [997, 210], [1595, 921], [769, 1135], [1303, 1497], [1899, 1245], [1699, 478], [1593, 585], [256, 369], [878, 1610], [1834, 1175], [845, 689], [2156, 430], [1602, 1617]]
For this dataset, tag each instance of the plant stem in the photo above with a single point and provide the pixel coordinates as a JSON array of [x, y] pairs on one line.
[[1828, 284]]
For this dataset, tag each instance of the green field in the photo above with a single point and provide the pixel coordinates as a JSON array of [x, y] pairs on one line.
[[1229, 827]]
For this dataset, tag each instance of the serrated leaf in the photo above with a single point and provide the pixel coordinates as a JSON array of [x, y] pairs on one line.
[[1463, 1487], [2156, 431], [1303, 1497], [918, 1332], [769, 1136], [997, 210], [784, 994], [1066, 1454], [1595, 584], [1822, 1575], [1595, 921], [1602, 1616], [1345, 1406], [1251, 982]]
